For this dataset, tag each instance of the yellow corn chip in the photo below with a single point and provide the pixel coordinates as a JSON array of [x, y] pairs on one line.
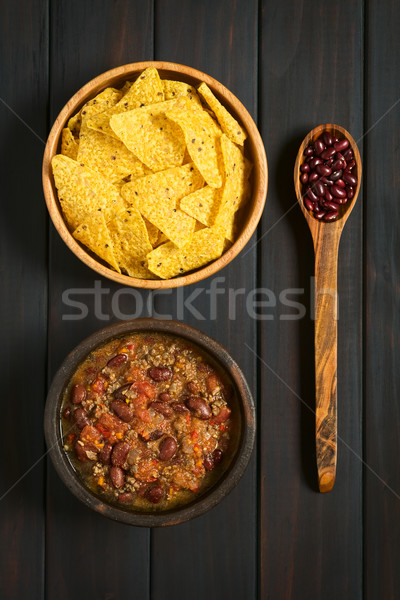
[[175, 89], [108, 156], [69, 145], [147, 89], [94, 234], [229, 125], [104, 100], [81, 191], [168, 261], [131, 243], [157, 197], [202, 204], [152, 231], [234, 187], [201, 136], [158, 142]]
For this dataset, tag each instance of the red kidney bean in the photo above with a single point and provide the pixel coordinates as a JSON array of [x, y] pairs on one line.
[[348, 154], [309, 151], [323, 170], [160, 373], [337, 191], [67, 413], [117, 477], [341, 200], [315, 161], [78, 394], [337, 165], [331, 206], [326, 181], [340, 156], [319, 146], [117, 361], [350, 165], [350, 192], [180, 408], [341, 145], [329, 162], [331, 216], [328, 153], [320, 214], [305, 168], [163, 408], [125, 497], [319, 188], [80, 452], [217, 456], [122, 410], [327, 138], [304, 178], [308, 204], [313, 177], [336, 175], [340, 183], [119, 453], [155, 435], [155, 494], [167, 448], [203, 367], [208, 462], [311, 195], [199, 407], [80, 418], [119, 394], [105, 454], [328, 195], [164, 397], [349, 178]]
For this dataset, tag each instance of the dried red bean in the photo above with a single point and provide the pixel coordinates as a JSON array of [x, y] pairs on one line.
[[305, 168], [328, 195], [304, 178], [164, 397], [348, 154], [105, 454], [328, 153], [117, 477], [336, 175], [311, 195], [119, 394], [160, 373], [167, 448], [155, 435], [80, 418], [350, 165], [155, 494], [217, 456], [331, 206], [163, 408], [349, 178], [326, 181], [350, 192], [319, 215], [319, 146], [331, 216], [315, 161], [308, 204], [341, 145], [313, 177], [78, 394], [323, 170], [67, 413], [327, 138], [337, 165], [208, 462], [119, 453], [319, 188], [117, 361], [122, 410], [337, 191], [340, 183], [199, 407], [309, 151]]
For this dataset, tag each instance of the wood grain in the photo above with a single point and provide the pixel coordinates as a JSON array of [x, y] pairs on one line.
[[23, 298]]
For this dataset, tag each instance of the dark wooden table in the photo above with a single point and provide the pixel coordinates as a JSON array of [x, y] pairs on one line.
[[294, 65]]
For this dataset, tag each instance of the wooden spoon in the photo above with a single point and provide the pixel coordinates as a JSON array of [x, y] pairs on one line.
[[326, 238]]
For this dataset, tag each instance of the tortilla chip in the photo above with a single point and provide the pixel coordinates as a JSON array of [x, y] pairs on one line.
[[131, 243], [104, 100], [94, 234], [234, 188], [158, 142], [81, 191], [175, 89], [203, 204], [201, 139], [157, 197], [152, 231], [69, 145], [167, 260], [108, 156], [229, 125], [147, 89]]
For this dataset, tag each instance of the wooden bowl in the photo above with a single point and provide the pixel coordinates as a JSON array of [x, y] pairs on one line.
[[254, 149], [242, 408]]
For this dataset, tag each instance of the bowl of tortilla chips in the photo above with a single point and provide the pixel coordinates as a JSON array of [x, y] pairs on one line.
[[155, 175]]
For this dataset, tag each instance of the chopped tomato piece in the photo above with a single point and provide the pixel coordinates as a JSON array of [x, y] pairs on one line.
[[144, 387], [135, 374], [222, 416], [143, 414], [92, 437], [113, 425], [213, 382]]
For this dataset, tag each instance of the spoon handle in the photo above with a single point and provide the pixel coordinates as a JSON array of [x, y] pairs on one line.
[[326, 257]]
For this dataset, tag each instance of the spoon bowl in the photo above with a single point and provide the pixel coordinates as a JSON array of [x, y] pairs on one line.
[[326, 238]]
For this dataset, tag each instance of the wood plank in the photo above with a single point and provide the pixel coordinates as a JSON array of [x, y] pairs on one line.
[[382, 342], [219, 548], [101, 558], [23, 299], [311, 543]]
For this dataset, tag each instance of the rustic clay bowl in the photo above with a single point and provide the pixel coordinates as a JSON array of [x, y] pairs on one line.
[[245, 430], [254, 149]]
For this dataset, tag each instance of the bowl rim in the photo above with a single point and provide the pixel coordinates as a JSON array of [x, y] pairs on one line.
[[207, 500], [260, 185]]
